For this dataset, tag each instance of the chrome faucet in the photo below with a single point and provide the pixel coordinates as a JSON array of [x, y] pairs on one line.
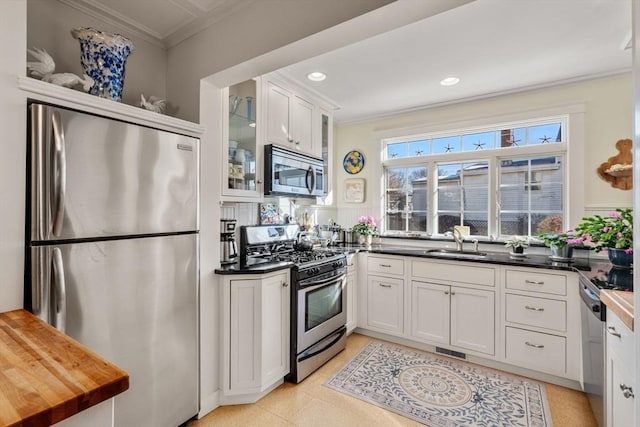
[[458, 238]]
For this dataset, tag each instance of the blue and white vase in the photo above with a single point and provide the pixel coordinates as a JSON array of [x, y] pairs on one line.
[[103, 57]]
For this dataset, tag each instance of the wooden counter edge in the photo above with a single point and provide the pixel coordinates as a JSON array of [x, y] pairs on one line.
[[621, 303], [25, 328]]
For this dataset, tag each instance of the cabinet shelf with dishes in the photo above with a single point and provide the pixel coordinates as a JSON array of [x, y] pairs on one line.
[[241, 143]]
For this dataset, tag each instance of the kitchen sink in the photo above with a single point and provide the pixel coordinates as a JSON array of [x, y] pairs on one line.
[[452, 253]]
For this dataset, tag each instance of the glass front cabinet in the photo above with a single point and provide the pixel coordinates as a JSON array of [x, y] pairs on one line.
[[242, 173]]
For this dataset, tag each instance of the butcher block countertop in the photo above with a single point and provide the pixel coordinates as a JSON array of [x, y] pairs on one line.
[[621, 303], [46, 376]]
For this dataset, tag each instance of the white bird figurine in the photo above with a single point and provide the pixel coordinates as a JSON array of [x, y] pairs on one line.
[[154, 104], [44, 68]]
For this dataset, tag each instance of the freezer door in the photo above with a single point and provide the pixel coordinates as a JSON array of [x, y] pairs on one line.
[[134, 302], [93, 177]]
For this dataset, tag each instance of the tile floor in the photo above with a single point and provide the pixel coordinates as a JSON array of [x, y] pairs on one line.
[[311, 404]]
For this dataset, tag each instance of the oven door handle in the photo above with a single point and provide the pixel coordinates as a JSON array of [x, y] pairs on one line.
[[324, 348], [311, 284]]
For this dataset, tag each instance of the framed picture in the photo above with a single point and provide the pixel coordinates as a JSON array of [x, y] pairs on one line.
[[354, 190]]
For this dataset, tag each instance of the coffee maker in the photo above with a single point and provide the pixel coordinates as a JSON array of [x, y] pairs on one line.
[[228, 248]]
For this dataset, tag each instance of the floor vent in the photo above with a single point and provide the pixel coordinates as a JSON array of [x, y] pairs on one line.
[[451, 353]]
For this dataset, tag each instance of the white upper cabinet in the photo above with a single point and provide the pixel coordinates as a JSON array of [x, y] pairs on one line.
[[290, 119]]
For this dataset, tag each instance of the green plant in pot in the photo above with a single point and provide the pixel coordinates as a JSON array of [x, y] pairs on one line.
[[613, 233], [517, 244], [560, 243], [365, 227]]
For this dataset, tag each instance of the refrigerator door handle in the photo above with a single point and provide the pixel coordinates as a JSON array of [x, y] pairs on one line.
[[59, 173], [59, 291]]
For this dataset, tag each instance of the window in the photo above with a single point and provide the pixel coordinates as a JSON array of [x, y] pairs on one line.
[[498, 181], [406, 199]]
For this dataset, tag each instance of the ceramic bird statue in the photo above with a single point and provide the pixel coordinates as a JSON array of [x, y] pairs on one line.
[[154, 104], [44, 67], [69, 80]]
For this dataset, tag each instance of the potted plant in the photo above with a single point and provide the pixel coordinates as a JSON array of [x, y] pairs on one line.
[[517, 244], [560, 243], [365, 227], [613, 233]]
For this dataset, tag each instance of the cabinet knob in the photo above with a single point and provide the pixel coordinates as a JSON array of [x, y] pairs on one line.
[[259, 181], [285, 284], [612, 331], [627, 391], [453, 293]]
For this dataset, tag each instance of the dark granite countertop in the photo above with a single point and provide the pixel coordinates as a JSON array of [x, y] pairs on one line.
[[504, 258]]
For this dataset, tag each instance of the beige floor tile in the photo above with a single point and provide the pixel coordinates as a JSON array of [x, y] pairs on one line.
[[240, 416], [285, 401], [311, 404]]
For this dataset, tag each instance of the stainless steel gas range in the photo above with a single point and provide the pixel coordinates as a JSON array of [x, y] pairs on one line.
[[318, 300]]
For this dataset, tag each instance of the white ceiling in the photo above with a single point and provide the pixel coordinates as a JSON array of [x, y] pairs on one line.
[[493, 46]]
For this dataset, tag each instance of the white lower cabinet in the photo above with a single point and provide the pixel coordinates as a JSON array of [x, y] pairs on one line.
[[453, 315], [385, 301], [352, 286], [619, 373], [542, 321], [256, 324]]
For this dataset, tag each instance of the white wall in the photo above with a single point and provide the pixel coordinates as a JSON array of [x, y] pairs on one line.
[[258, 31], [49, 24], [608, 117], [13, 116]]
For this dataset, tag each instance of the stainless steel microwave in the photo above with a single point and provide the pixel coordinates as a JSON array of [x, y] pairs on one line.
[[290, 173]]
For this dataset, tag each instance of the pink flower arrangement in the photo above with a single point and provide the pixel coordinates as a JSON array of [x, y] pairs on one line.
[[614, 231], [366, 225]]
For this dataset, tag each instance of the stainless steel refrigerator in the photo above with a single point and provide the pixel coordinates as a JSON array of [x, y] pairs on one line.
[[112, 252]]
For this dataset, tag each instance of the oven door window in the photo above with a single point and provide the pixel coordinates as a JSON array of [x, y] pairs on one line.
[[322, 304]]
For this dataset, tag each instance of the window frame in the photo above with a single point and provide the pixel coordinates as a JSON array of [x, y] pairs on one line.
[[571, 118]]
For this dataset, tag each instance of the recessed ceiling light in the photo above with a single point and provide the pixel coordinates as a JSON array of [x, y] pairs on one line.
[[449, 81], [316, 76]]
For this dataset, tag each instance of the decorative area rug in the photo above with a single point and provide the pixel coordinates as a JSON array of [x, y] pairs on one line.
[[440, 391]]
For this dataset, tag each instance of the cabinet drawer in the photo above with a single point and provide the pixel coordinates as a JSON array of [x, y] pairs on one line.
[[543, 352], [536, 282], [385, 265], [454, 273], [540, 312], [622, 345]]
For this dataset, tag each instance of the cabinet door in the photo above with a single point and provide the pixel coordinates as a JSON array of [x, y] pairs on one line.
[[242, 153], [430, 312], [302, 118], [278, 121], [620, 399], [473, 319], [246, 314], [384, 304], [275, 327], [351, 301]]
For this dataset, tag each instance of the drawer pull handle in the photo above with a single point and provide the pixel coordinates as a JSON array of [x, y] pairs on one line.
[[384, 285], [534, 345], [385, 265], [533, 282], [528, 307], [612, 331], [627, 391]]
